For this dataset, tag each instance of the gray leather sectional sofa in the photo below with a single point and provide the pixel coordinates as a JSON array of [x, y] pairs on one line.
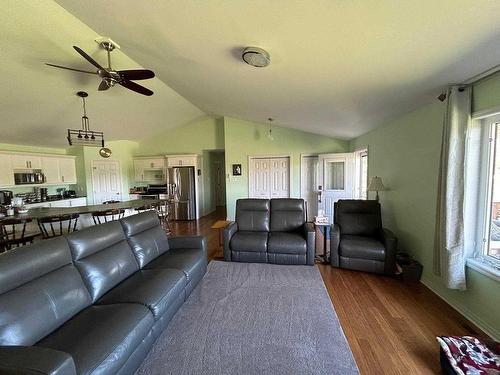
[[95, 301], [270, 231]]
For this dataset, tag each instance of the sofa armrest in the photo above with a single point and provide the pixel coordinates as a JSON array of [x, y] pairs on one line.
[[188, 242], [35, 360], [310, 236], [391, 246], [229, 232], [334, 245]]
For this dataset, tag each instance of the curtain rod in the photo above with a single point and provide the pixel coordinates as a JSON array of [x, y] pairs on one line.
[[480, 77]]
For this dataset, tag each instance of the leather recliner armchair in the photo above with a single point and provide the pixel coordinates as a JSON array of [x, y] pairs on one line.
[[270, 231], [358, 241]]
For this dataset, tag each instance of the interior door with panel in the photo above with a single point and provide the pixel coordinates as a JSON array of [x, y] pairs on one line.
[[106, 181], [336, 175], [280, 177], [260, 178]]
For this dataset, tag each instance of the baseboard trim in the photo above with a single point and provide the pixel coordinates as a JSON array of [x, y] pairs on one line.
[[466, 313]]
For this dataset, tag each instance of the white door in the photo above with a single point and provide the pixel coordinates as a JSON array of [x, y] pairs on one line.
[[260, 178], [106, 181], [280, 177], [336, 175], [269, 178], [309, 184]]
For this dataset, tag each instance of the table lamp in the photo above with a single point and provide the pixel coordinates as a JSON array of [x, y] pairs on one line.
[[376, 185]]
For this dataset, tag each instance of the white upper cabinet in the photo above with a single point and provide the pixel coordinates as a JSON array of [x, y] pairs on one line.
[[67, 170], [57, 169], [149, 169], [6, 173], [182, 160], [50, 168], [26, 161]]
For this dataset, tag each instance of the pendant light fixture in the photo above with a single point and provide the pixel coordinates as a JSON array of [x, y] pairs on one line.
[[270, 134], [85, 136]]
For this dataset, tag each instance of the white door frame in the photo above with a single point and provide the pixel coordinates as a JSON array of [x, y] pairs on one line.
[[302, 156], [92, 164], [289, 156]]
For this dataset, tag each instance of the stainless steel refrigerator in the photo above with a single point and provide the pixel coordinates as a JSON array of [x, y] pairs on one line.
[[180, 182]]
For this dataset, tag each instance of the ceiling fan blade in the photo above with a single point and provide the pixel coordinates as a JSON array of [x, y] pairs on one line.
[[135, 87], [136, 74], [88, 58], [103, 86], [73, 69]]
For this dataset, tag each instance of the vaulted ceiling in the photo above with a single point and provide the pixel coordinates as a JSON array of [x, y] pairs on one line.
[[339, 68]]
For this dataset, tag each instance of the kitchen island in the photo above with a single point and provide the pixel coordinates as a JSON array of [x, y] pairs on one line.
[[85, 212]]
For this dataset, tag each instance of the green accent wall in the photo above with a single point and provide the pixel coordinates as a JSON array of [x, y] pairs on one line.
[[245, 138], [405, 153]]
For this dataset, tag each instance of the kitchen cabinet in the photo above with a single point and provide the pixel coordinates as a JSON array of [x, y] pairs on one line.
[[78, 202], [26, 161], [181, 160], [150, 169], [50, 169], [61, 203], [134, 196], [67, 170], [6, 173]]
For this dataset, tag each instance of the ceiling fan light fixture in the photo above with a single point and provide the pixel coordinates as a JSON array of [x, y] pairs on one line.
[[256, 56]]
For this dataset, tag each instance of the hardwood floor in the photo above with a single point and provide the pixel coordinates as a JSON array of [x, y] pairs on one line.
[[391, 326]]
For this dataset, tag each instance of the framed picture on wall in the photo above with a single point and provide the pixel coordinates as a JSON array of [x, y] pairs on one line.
[[236, 169]]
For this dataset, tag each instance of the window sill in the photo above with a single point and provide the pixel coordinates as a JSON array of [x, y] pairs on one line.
[[484, 268]]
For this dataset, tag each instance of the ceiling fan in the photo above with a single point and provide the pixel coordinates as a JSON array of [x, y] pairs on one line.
[[109, 76]]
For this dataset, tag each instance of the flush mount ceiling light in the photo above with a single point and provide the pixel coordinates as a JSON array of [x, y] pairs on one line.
[[85, 136], [256, 56]]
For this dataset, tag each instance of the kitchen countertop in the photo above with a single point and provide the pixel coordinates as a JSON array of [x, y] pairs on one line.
[[40, 212], [54, 200]]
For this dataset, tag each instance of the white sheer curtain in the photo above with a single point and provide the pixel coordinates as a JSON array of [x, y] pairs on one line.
[[449, 255]]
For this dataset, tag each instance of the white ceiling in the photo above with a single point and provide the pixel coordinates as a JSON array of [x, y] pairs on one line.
[[38, 103], [339, 67]]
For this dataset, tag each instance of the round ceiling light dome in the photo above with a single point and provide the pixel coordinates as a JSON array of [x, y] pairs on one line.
[[256, 56]]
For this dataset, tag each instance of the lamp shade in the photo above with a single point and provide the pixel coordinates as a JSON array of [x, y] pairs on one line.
[[376, 184]]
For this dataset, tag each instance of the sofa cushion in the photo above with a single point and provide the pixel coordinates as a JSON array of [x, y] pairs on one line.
[[287, 214], [145, 236], [101, 338], [252, 215], [361, 247], [156, 289], [358, 217], [249, 241], [40, 290], [192, 262], [286, 243], [103, 257]]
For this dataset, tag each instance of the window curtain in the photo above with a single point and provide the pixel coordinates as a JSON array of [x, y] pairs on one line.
[[449, 254]]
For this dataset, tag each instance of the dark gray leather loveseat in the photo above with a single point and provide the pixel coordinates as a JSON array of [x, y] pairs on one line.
[[95, 301], [358, 241], [270, 231]]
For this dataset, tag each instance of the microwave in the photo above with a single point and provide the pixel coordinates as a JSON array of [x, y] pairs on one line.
[[32, 177]]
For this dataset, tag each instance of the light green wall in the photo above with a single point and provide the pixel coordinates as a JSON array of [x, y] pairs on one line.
[[245, 138], [202, 136], [405, 153]]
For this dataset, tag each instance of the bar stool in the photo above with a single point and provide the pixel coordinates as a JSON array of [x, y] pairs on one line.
[[13, 233], [162, 208], [47, 224], [107, 215]]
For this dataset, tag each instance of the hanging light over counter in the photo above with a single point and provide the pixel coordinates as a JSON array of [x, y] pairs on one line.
[[85, 136]]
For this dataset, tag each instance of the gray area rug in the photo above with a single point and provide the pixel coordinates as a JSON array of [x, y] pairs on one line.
[[247, 318]]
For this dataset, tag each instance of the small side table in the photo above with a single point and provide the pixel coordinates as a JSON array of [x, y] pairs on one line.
[[220, 225], [324, 229]]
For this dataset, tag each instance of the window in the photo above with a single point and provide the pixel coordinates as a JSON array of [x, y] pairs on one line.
[[482, 196], [334, 175], [361, 159]]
